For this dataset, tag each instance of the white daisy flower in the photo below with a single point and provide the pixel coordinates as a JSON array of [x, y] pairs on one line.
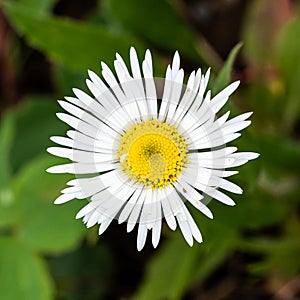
[[139, 156]]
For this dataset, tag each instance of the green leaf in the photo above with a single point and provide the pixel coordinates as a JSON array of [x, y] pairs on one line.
[[154, 285], [287, 54], [35, 122], [155, 21], [7, 207], [39, 6], [224, 76], [262, 207], [288, 48], [280, 254], [7, 130], [259, 31], [76, 45], [286, 158], [23, 275], [43, 225], [183, 264]]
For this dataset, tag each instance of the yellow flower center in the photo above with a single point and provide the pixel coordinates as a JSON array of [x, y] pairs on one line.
[[152, 153]]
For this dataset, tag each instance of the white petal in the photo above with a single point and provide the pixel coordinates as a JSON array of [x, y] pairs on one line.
[[186, 231], [216, 140], [167, 211], [82, 156], [176, 204], [129, 206], [92, 186], [134, 62], [198, 104], [213, 154], [175, 96], [78, 124], [212, 163], [78, 145], [134, 215], [187, 98], [176, 63], [91, 142], [197, 80], [62, 141], [166, 94], [87, 217], [150, 89], [104, 225], [64, 198], [81, 168], [193, 227], [227, 129], [221, 98], [93, 219], [71, 189], [220, 196], [95, 90], [97, 81], [239, 118], [142, 235], [91, 206], [148, 213], [193, 197], [230, 186], [83, 97], [245, 155], [156, 230], [122, 64]]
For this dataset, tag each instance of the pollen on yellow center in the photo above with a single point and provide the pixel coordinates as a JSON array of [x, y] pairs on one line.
[[152, 153]]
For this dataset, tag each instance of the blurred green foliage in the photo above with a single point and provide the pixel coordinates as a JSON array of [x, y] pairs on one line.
[[41, 252], [76, 45]]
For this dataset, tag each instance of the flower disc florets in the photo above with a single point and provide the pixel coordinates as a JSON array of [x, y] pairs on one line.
[[153, 153]]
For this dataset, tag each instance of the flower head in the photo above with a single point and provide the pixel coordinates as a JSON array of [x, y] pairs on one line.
[[141, 155]]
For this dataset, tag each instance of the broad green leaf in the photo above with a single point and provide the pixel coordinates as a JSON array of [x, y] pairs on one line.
[[287, 54], [35, 123], [223, 78], [155, 286], [23, 275], [279, 153], [43, 225], [280, 254], [76, 45], [7, 207], [7, 130], [266, 106], [182, 265], [39, 6], [288, 48], [291, 113], [260, 207], [260, 31], [156, 21]]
